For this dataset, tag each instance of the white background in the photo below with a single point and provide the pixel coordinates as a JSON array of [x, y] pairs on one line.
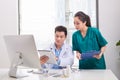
[[109, 15]]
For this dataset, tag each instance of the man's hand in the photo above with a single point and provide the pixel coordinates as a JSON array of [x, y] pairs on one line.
[[43, 59]]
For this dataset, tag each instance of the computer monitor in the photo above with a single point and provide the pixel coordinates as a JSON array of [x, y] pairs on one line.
[[22, 52]]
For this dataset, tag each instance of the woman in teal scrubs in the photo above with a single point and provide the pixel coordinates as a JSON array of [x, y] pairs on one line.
[[87, 39]]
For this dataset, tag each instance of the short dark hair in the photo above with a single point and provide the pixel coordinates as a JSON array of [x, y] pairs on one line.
[[61, 29]]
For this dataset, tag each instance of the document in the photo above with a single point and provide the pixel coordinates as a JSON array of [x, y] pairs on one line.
[[89, 54], [50, 54]]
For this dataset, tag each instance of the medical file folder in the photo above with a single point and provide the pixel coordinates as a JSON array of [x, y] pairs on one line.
[[89, 54]]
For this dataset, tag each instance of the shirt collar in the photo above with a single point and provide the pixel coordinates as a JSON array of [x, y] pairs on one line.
[[56, 48]]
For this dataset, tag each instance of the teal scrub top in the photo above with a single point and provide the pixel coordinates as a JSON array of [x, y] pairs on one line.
[[92, 41]]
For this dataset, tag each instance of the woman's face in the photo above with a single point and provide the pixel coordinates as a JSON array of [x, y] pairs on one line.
[[79, 25], [59, 38]]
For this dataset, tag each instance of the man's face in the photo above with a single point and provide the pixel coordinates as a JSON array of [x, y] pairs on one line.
[[59, 38]]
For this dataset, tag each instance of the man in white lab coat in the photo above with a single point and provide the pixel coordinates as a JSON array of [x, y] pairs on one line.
[[63, 52]]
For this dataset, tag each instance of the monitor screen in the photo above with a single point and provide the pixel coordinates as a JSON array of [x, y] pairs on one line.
[[22, 51]]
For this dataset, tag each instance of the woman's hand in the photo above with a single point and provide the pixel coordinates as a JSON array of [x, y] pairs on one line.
[[43, 59], [78, 55], [98, 56]]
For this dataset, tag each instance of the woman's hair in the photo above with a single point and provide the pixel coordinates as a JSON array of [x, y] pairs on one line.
[[61, 29], [83, 17]]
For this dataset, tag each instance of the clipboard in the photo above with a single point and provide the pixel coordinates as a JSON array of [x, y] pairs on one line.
[[50, 54], [88, 55]]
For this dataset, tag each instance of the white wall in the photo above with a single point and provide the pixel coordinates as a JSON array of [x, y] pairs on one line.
[[109, 23], [8, 25]]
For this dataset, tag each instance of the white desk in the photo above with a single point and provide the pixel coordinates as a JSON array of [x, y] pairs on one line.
[[79, 75]]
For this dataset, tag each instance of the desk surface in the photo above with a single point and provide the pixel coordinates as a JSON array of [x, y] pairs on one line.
[[77, 75]]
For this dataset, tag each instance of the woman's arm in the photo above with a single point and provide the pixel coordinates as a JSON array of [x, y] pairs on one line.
[[78, 55], [101, 52]]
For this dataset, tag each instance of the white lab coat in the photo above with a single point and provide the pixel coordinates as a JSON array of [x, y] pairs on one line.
[[66, 55]]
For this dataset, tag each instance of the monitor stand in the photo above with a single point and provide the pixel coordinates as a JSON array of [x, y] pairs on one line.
[[14, 72]]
